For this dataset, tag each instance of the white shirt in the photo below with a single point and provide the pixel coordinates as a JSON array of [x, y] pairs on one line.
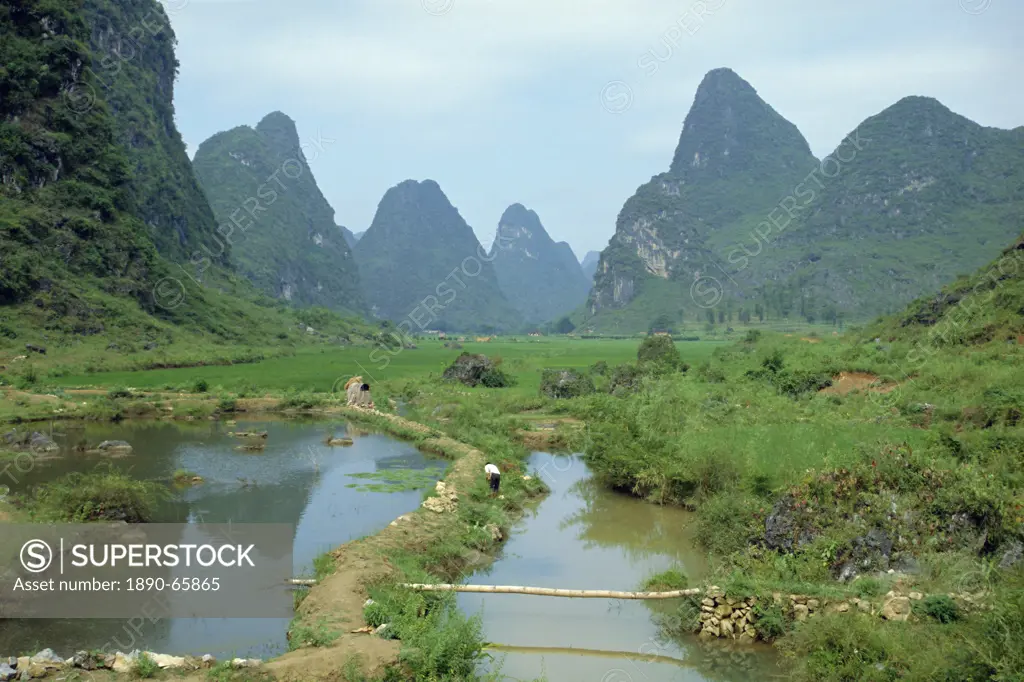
[[491, 469]]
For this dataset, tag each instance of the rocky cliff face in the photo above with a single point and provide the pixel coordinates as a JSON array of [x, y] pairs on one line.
[[422, 266], [589, 266], [748, 223], [541, 278], [734, 158], [280, 226], [135, 68]]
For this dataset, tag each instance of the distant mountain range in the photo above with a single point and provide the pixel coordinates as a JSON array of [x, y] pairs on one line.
[[589, 266], [539, 277], [422, 267], [748, 224]]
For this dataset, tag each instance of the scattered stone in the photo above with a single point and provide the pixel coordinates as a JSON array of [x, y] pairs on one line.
[[86, 661], [48, 659], [565, 383], [124, 663], [23, 662], [381, 629], [118, 447], [800, 612], [746, 639], [468, 369], [726, 628], [813, 604], [916, 596], [7, 672], [344, 442], [1013, 555], [167, 661], [723, 611], [40, 443], [246, 663], [495, 531], [896, 609], [708, 602], [208, 661]]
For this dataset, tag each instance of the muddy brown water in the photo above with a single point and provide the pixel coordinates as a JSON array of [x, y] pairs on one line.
[[584, 537], [297, 479]]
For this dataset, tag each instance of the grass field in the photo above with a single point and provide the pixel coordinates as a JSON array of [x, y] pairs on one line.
[[318, 370]]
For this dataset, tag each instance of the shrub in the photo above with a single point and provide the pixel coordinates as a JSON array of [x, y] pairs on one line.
[[565, 383], [119, 392], [145, 667], [659, 350], [941, 607], [496, 378], [200, 386], [599, 368], [625, 380], [110, 496]]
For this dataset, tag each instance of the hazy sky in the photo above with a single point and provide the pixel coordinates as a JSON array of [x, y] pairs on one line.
[[567, 106]]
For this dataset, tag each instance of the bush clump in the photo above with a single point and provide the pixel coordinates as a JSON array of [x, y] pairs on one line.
[[477, 370], [659, 351], [113, 496], [565, 383]]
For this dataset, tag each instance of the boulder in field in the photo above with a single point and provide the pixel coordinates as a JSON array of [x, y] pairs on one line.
[[565, 383]]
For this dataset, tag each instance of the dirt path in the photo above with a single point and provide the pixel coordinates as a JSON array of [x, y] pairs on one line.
[[338, 600]]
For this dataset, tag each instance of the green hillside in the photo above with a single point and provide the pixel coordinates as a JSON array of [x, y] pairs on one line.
[[81, 273], [748, 225], [281, 229]]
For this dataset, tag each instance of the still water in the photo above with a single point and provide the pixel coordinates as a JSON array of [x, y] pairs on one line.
[[297, 480], [584, 537]]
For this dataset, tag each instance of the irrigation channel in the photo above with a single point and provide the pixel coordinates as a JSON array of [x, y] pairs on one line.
[[584, 537], [580, 536]]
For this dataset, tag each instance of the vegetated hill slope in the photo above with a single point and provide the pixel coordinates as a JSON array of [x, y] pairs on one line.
[[282, 230], [985, 306], [79, 264], [133, 71]]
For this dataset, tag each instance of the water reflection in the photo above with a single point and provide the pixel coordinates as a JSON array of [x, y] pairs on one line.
[[296, 479]]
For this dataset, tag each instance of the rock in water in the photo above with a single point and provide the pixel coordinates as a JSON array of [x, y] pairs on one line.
[[7, 672], [41, 443], [119, 447]]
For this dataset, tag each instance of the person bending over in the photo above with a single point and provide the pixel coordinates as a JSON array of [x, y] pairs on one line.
[[493, 476]]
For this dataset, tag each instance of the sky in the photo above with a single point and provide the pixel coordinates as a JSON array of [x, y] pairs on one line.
[[566, 106]]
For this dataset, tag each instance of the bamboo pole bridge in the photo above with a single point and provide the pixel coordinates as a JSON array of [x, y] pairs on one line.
[[537, 591], [552, 592]]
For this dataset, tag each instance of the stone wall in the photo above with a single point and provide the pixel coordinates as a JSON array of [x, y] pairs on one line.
[[735, 618]]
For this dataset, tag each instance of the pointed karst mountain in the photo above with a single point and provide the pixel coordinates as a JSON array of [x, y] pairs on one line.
[[735, 158], [541, 278], [422, 266], [748, 225], [281, 228], [589, 266], [919, 195]]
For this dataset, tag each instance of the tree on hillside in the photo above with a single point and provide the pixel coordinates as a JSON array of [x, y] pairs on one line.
[[564, 326], [662, 323]]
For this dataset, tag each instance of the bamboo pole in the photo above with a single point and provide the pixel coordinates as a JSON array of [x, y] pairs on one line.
[[552, 592], [598, 653]]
